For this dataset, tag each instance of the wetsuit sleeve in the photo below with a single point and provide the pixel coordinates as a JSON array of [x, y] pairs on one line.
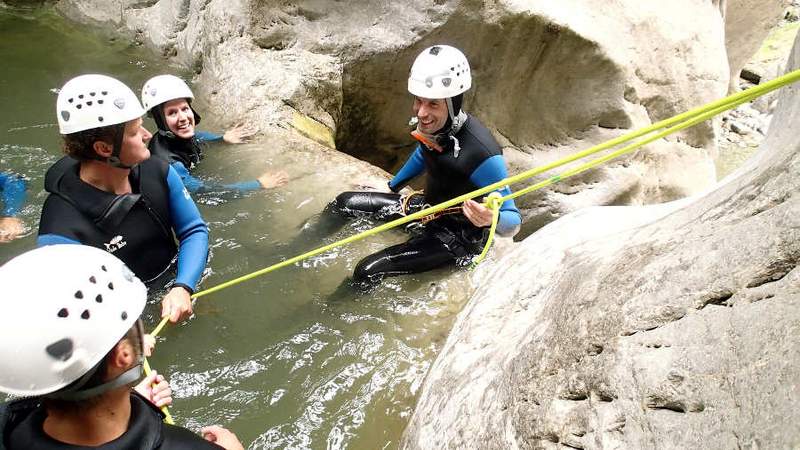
[[207, 136], [413, 167], [12, 191], [196, 185], [53, 239], [491, 171], [191, 231]]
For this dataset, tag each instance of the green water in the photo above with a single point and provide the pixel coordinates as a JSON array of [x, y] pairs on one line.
[[280, 360]]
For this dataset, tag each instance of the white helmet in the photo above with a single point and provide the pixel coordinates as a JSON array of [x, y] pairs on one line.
[[64, 308], [163, 88], [438, 72], [93, 101]]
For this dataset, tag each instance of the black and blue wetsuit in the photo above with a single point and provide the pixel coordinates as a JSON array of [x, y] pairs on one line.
[[21, 427], [183, 154], [12, 192], [140, 228], [449, 238]]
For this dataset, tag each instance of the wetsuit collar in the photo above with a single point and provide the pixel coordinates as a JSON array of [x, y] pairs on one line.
[[145, 430]]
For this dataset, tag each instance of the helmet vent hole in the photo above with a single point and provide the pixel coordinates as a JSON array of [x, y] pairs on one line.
[[92, 94], [99, 298], [124, 315], [103, 268], [85, 314], [111, 286], [92, 279], [89, 103], [61, 349], [104, 92], [79, 294], [100, 118], [100, 102], [63, 313], [70, 100], [80, 96], [78, 106]]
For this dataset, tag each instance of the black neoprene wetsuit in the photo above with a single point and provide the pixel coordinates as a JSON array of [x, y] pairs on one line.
[[21, 428]]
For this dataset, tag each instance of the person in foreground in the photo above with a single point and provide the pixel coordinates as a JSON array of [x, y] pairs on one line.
[[12, 194], [76, 369], [108, 193], [168, 100], [459, 155]]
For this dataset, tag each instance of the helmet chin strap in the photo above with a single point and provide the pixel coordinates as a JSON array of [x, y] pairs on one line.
[[75, 393], [114, 160]]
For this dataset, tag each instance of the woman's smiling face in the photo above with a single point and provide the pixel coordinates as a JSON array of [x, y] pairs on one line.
[[179, 118]]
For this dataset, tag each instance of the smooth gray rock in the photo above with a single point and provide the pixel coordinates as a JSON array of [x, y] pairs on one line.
[[663, 327], [747, 23], [551, 78]]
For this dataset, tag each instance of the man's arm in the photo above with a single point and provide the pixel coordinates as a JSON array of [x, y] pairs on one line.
[[13, 192], [491, 171], [191, 230], [414, 166]]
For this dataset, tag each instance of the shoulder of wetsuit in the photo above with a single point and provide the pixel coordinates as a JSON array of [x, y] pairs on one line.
[[173, 437], [475, 138], [178, 438], [56, 172], [151, 176], [12, 413], [159, 165]]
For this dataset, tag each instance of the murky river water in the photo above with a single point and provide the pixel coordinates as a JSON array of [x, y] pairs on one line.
[[286, 360]]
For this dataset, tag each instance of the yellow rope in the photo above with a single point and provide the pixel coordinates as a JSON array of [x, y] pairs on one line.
[[493, 202], [672, 125]]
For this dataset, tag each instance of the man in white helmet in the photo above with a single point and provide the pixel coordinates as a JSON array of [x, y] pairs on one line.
[[108, 193], [168, 100], [76, 369], [459, 155]]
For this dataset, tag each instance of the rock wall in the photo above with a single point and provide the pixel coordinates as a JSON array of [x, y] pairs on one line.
[[665, 326], [745, 30], [551, 78]]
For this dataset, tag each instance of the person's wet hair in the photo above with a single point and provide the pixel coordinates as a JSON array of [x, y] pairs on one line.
[[80, 145]]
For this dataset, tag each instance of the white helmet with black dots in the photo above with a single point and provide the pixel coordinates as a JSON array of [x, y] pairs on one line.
[[64, 308], [439, 72], [163, 88], [93, 101]]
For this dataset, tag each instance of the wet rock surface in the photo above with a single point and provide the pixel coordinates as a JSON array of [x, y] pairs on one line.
[[665, 326]]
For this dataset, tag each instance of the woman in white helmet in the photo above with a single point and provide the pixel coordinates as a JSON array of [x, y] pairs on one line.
[[459, 155], [168, 100], [108, 193], [76, 369]]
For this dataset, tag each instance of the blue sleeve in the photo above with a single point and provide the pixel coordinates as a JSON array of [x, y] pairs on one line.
[[413, 167], [491, 171], [196, 185], [53, 239], [12, 191], [207, 136], [191, 231]]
